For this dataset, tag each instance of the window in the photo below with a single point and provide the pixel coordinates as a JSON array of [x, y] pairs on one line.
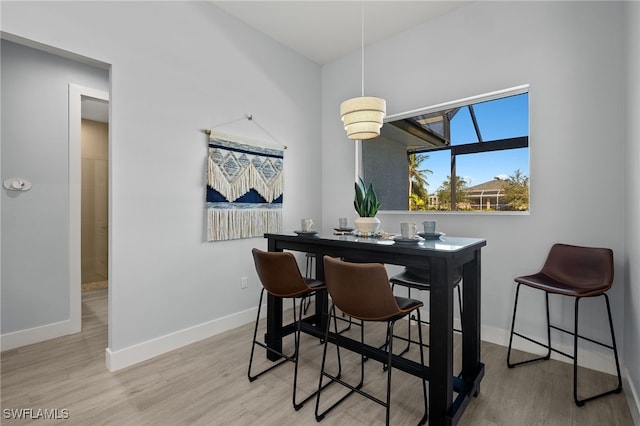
[[483, 142]]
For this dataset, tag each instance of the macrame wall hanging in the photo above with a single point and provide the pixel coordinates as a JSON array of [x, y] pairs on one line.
[[244, 188]]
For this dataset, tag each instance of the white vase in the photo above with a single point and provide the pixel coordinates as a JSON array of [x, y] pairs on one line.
[[367, 225]]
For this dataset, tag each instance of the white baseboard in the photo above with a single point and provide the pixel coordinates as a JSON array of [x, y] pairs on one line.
[[122, 358], [38, 334], [590, 359], [116, 360], [598, 361], [633, 397]]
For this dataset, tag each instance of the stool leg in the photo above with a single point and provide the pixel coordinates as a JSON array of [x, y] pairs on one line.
[[298, 320], [460, 306], [546, 294], [613, 343], [253, 342], [575, 356], [408, 339], [408, 326], [307, 274], [390, 325], [618, 388], [363, 358], [320, 416], [256, 342], [424, 384], [513, 321]]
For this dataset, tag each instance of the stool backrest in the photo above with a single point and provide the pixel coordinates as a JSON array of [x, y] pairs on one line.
[[360, 290], [279, 273], [580, 267]]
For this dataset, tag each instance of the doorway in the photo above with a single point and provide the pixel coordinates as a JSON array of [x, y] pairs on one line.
[[94, 194], [83, 102]]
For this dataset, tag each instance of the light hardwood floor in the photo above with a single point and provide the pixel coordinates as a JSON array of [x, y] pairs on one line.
[[206, 384]]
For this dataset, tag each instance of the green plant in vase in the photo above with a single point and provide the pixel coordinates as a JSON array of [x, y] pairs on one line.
[[366, 204]]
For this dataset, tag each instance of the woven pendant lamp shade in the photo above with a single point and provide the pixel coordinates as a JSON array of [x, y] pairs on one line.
[[362, 117]]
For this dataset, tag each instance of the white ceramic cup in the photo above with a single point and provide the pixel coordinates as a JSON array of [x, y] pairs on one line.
[[306, 225], [407, 230], [429, 226], [343, 223]]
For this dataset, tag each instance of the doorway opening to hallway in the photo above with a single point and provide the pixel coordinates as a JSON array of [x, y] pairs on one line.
[[94, 194]]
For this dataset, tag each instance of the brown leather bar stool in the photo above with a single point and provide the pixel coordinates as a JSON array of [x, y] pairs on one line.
[[280, 277], [578, 272], [419, 278], [362, 291]]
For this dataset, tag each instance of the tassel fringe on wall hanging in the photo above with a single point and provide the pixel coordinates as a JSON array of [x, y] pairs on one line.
[[244, 189]]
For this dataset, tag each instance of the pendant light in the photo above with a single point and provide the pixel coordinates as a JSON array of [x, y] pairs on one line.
[[362, 116]]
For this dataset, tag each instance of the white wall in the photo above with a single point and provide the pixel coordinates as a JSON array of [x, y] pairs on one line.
[[632, 211], [35, 224], [572, 54], [178, 68]]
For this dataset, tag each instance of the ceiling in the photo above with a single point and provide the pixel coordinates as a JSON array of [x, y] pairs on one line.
[[94, 109], [324, 31], [321, 31]]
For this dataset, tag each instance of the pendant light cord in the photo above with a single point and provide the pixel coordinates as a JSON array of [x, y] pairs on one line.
[[362, 41]]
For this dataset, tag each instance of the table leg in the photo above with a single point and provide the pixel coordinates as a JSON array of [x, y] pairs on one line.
[[322, 298], [273, 337], [440, 343], [471, 319]]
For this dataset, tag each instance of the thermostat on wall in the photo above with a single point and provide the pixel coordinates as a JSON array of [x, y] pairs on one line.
[[17, 184]]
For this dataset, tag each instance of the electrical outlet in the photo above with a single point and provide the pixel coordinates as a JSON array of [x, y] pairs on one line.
[[243, 282]]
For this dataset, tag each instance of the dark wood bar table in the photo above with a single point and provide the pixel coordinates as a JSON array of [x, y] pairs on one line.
[[448, 394]]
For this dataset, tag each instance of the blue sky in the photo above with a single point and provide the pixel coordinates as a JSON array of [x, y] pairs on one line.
[[497, 119]]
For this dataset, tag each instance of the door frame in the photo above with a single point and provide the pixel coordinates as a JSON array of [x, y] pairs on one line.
[[76, 93]]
